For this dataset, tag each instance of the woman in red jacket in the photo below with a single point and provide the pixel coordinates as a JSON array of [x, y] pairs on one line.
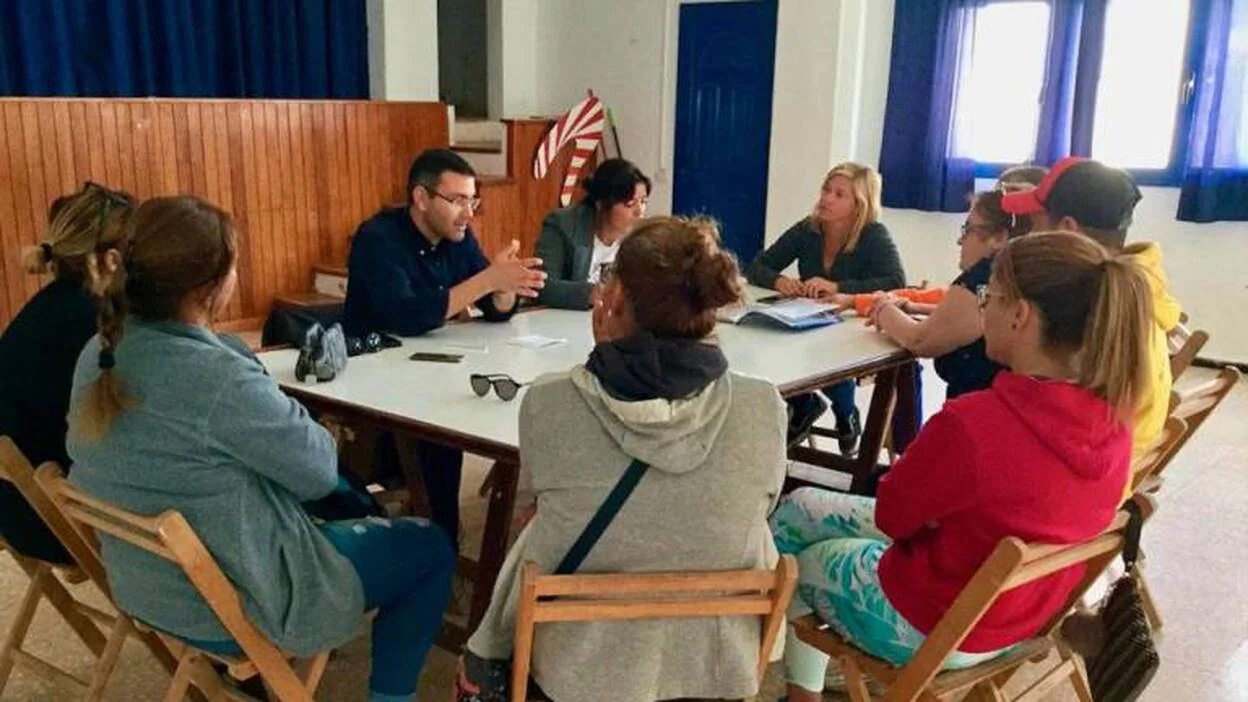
[[1042, 455]]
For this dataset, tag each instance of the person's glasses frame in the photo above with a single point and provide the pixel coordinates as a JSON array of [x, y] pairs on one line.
[[112, 200], [983, 294], [464, 202], [505, 386]]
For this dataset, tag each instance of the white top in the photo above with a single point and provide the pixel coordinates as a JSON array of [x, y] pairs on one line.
[[439, 395], [603, 254]]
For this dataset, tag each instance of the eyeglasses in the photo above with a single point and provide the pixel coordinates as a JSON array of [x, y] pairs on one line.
[[472, 203], [983, 294], [968, 227], [504, 385], [112, 200]]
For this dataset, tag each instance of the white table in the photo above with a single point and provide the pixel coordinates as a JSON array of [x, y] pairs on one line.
[[433, 401], [436, 397]]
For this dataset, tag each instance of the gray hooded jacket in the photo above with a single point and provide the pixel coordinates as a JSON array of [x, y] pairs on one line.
[[717, 464]]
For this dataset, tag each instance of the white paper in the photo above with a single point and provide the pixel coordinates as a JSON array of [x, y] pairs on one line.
[[535, 341]]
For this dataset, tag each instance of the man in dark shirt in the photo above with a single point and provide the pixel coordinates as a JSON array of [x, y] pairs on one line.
[[412, 268]]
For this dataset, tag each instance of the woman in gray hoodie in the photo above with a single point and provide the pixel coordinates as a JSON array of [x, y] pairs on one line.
[[165, 414], [656, 388]]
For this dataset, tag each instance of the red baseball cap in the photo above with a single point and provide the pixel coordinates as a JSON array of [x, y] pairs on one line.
[[1093, 194]]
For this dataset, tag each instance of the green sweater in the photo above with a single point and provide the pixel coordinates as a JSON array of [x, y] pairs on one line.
[[873, 264]]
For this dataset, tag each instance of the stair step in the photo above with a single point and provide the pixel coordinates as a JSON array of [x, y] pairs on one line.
[[330, 280], [478, 147]]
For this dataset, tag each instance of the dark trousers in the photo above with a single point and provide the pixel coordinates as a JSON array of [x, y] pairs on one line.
[[441, 470]]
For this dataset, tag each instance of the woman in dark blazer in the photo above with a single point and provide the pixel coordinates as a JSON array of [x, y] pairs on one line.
[[841, 247], [576, 241]]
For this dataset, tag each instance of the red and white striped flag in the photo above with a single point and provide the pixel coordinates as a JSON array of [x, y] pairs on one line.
[[583, 124]]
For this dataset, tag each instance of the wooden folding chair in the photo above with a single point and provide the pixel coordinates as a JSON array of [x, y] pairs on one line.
[[170, 537], [578, 598], [1012, 564], [1184, 345], [45, 585], [1189, 408]]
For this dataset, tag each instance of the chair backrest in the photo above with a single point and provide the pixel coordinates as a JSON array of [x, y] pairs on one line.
[[1013, 564], [169, 536], [1146, 467], [1184, 344], [1193, 404], [617, 596], [16, 469]]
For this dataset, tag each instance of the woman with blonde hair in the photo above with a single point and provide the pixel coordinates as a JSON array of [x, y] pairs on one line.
[[40, 346], [167, 415], [840, 248], [1042, 456]]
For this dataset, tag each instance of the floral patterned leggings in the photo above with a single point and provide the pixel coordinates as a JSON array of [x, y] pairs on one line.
[[838, 549]]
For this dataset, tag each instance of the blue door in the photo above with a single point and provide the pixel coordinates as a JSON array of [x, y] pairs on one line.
[[725, 63]]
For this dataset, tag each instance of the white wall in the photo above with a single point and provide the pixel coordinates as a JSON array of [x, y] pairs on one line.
[[403, 49], [832, 62], [617, 49], [512, 35]]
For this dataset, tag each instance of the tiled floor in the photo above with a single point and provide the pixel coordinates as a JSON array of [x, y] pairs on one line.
[[1196, 549]]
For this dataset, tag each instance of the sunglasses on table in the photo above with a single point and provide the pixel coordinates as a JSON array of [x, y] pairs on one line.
[[504, 385]]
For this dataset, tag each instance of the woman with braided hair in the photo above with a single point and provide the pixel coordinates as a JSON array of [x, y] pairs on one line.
[[167, 415], [41, 344]]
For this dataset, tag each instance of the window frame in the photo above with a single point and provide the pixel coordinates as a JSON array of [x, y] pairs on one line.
[[1184, 105]]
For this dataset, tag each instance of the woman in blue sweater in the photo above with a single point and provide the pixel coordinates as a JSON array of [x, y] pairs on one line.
[[165, 414]]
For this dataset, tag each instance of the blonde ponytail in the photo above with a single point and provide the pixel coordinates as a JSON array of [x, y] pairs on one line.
[[1114, 357]]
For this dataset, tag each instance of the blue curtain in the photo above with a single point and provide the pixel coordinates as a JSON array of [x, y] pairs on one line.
[[1215, 177], [313, 49], [929, 41], [1072, 73]]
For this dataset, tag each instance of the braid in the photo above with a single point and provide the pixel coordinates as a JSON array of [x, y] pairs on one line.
[[106, 399]]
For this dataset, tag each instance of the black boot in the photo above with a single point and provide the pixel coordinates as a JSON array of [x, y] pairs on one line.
[[848, 431]]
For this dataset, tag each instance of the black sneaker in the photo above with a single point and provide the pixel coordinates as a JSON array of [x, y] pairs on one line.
[[804, 411], [848, 433]]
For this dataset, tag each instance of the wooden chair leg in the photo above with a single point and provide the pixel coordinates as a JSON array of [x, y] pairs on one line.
[[181, 678], [1146, 599], [21, 623], [316, 671], [68, 608], [1078, 673], [108, 658], [986, 691], [855, 685]]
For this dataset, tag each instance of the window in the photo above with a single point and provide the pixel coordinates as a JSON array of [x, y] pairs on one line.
[[1142, 80], [1141, 97], [998, 104]]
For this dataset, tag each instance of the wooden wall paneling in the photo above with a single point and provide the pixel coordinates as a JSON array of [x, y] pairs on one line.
[[254, 145], [298, 176], [305, 218], [242, 194], [60, 131], [37, 191], [10, 301], [282, 194], [27, 225], [141, 136], [45, 121], [77, 138]]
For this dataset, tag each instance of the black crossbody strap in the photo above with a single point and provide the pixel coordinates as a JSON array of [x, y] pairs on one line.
[[1131, 543], [602, 518]]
